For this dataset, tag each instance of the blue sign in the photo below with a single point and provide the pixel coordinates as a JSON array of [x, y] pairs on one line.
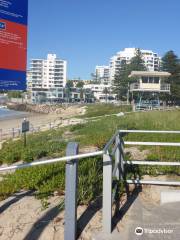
[[14, 11], [13, 44]]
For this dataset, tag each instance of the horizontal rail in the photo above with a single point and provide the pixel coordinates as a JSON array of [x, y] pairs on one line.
[[55, 160], [148, 131], [152, 143], [151, 182], [152, 163]]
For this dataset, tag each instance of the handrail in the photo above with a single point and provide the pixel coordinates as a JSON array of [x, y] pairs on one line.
[[49, 161], [140, 162], [174, 144], [153, 182], [147, 131]]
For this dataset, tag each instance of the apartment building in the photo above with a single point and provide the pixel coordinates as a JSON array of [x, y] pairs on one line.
[[101, 91], [151, 60], [47, 78], [29, 80], [102, 74]]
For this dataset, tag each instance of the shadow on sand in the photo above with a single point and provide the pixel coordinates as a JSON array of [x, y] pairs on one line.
[[88, 214], [16, 197], [121, 211]]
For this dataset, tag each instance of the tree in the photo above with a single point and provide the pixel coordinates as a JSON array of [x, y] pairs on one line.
[[14, 94], [69, 84], [171, 64], [106, 92], [68, 87], [81, 93], [137, 62], [122, 81], [80, 84]]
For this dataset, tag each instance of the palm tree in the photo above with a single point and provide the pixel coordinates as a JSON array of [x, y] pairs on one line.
[[106, 91]]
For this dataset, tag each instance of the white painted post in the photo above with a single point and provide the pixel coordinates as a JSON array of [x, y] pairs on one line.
[[71, 193], [107, 194]]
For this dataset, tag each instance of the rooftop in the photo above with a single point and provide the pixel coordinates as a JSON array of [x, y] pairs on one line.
[[149, 74]]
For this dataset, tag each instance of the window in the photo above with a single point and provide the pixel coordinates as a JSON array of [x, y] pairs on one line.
[[156, 80], [151, 79], [144, 79]]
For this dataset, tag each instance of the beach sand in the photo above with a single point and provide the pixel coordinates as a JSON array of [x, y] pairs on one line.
[[34, 118], [37, 119]]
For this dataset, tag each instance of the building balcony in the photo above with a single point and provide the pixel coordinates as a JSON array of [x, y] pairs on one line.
[[35, 67], [149, 87]]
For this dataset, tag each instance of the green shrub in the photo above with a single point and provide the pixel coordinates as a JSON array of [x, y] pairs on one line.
[[44, 180], [39, 145], [96, 110]]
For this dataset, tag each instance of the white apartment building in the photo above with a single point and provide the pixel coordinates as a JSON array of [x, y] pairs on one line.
[[47, 78], [102, 74], [151, 60], [29, 80], [100, 91]]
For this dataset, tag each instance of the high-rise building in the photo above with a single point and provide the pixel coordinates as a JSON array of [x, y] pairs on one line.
[[47, 78], [29, 80], [102, 74], [151, 60]]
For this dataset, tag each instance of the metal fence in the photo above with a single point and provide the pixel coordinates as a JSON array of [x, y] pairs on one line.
[[113, 169], [17, 132], [152, 163]]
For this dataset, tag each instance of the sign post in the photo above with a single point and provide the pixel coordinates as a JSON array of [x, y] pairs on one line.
[[25, 129], [13, 44]]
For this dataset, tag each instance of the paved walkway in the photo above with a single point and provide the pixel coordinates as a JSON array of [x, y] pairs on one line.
[[154, 222]]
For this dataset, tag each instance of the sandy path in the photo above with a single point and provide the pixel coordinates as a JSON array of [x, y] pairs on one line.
[[22, 217]]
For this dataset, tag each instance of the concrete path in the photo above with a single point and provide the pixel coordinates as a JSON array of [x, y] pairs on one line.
[[152, 221]]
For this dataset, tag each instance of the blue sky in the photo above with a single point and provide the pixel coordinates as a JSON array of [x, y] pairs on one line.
[[88, 32]]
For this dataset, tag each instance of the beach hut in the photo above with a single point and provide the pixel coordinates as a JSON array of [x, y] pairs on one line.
[[148, 86]]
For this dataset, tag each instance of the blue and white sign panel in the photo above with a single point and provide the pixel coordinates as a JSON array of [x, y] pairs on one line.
[[13, 44]]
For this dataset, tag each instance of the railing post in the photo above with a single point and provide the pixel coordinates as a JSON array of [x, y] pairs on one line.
[[107, 193], [71, 193], [121, 157], [117, 157]]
